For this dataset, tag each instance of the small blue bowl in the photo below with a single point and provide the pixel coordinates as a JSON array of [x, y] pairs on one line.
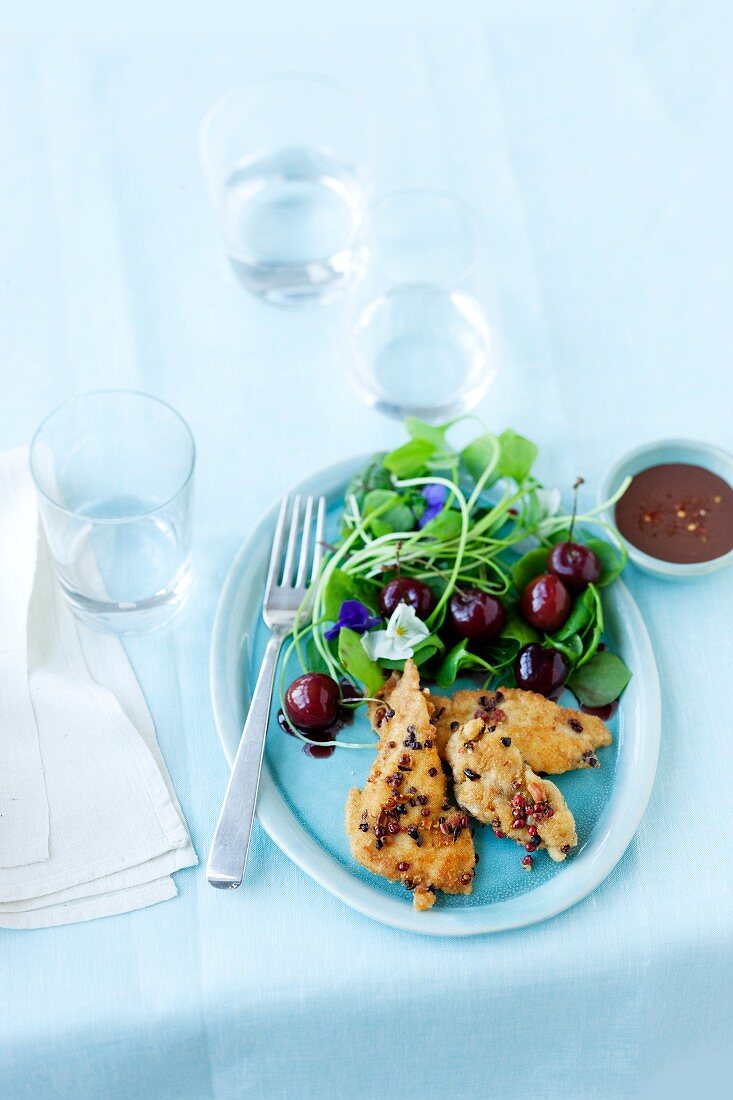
[[652, 454]]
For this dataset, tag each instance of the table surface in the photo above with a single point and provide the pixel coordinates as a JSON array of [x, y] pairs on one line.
[[597, 148]]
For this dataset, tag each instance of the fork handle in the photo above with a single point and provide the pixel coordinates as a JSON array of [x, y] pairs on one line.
[[228, 856]]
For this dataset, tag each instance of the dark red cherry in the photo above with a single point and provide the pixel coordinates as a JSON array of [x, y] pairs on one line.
[[476, 615], [410, 591], [545, 603], [312, 701], [575, 564], [539, 669]]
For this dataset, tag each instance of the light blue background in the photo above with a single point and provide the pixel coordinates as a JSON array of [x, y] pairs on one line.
[[595, 140]]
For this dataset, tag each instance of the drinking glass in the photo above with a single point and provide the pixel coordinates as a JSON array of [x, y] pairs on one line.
[[420, 343], [114, 476], [286, 160]]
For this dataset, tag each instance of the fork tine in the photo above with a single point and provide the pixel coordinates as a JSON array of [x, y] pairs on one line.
[[305, 543], [287, 578], [277, 545], [320, 537]]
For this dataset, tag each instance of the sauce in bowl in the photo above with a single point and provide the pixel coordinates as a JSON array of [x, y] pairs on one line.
[[677, 512]]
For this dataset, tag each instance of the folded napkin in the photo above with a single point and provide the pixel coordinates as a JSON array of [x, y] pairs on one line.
[[89, 821]]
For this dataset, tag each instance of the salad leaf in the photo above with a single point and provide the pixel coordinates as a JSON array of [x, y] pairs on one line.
[[446, 525], [399, 517], [600, 680], [458, 658], [571, 647], [375, 498], [518, 631], [612, 561], [373, 476], [597, 621], [445, 455], [515, 460], [580, 617], [410, 459], [342, 586], [529, 566], [314, 662], [433, 433], [477, 455], [502, 652], [516, 456], [357, 663]]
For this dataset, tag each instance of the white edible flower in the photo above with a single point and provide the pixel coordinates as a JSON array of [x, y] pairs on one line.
[[397, 642]]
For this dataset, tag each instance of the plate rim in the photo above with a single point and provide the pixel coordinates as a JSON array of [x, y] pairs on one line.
[[283, 828]]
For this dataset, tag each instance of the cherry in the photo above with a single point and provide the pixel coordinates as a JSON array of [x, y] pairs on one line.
[[410, 591], [575, 564], [476, 615], [312, 701], [545, 603], [539, 669]]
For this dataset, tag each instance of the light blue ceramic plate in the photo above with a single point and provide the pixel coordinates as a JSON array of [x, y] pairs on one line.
[[301, 799]]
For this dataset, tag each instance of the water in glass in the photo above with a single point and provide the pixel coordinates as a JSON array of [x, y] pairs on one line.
[[292, 220]]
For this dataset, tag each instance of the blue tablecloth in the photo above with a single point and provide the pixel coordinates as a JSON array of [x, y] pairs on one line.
[[595, 140]]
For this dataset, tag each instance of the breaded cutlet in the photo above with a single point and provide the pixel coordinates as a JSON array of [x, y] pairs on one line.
[[552, 739], [401, 825], [493, 782]]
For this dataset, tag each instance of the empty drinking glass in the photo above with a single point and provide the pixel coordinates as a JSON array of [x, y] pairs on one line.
[[286, 160], [114, 475], [420, 343]]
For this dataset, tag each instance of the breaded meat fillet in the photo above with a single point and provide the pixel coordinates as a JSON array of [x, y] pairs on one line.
[[552, 739], [493, 782], [401, 825]]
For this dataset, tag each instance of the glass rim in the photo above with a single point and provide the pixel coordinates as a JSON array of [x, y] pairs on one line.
[[112, 392], [278, 76], [400, 194]]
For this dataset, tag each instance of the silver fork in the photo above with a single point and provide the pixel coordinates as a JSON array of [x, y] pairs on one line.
[[284, 594]]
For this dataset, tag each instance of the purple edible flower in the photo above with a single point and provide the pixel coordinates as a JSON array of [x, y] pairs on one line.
[[435, 498], [354, 615]]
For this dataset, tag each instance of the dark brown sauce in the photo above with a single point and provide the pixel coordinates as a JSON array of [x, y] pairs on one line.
[[604, 713], [318, 752], [678, 513]]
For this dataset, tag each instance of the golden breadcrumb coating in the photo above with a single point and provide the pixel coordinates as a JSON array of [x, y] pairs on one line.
[[401, 825], [552, 739], [493, 782]]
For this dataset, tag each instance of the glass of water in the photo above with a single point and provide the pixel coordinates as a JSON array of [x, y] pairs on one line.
[[287, 165], [114, 476], [420, 343]]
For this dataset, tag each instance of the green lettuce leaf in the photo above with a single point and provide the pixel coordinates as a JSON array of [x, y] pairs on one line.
[[455, 661], [516, 457], [529, 566], [600, 680], [581, 616], [399, 517], [410, 459], [356, 661], [610, 557], [342, 586]]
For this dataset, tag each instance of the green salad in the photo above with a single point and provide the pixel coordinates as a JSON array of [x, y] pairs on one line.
[[461, 560]]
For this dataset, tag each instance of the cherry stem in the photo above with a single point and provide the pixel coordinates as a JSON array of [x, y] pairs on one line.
[[578, 482]]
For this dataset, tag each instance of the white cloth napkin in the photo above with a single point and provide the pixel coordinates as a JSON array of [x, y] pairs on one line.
[[89, 821]]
